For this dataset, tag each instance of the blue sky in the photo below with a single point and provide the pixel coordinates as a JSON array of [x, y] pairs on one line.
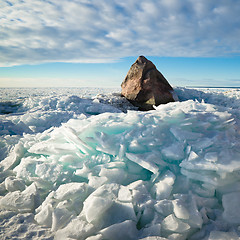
[[75, 43]]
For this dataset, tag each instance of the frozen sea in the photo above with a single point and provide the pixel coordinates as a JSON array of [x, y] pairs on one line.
[[83, 163]]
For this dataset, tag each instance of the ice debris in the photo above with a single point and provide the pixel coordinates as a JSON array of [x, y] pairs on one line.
[[172, 173]]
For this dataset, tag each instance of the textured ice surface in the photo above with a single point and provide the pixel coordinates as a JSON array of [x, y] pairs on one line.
[[77, 165]]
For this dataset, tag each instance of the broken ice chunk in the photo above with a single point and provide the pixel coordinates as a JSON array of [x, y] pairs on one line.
[[17, 201], [155, 157], [68, 159], [206, 177], [107, 190], [173, 224], [99, 201], [211, 157], [140, 160], [95, 237], [49, 171], [13, 158], [140, 195], [133, 167], [118, 212], [186, 208], [13, 184], [73, 191], [120, 231], [204, 190], [122, 150], [139, 186], [76, 229], [51, 147], [116, 164], [164, 207], [103, 208], [95, 181], [178, 236], [27, 167], [192, 156], [44, 217], [72, 137], [83, 172], [174, 151], [230, 203], [218, 235], [136, 147], [202, 143], [20, 201], [206, 202], [95, 206], [232, 187], [163, 188], [105, 143], [124, 194], [180, 210], [154, 238], [60, 217], [182, 135], [2, 188], [114, 175], [70, 196], [153, 230], [146, 216]]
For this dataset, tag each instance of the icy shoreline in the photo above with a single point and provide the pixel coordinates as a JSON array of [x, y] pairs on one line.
[[85, 165]]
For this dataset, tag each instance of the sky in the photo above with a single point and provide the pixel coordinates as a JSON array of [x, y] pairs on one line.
[[93, 43]]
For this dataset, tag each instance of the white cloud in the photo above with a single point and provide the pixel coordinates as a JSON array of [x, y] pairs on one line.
[[100, 31]]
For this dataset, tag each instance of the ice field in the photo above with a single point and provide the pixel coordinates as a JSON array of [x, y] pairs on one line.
[[82, 163]]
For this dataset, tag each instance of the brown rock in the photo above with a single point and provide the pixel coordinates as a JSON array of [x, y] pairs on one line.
[[145, 86]]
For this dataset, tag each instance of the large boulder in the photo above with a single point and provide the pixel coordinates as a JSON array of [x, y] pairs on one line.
[[144, 86]]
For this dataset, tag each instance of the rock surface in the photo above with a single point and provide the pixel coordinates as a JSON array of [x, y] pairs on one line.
[[144, 86]]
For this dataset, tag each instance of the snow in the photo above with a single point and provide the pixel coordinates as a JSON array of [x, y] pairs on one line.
[[84, 164]]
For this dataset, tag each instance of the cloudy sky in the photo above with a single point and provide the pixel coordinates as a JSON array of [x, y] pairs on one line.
[[94, 42]]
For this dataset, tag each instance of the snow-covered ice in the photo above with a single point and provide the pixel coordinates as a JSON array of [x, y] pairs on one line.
[[84, 164]]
